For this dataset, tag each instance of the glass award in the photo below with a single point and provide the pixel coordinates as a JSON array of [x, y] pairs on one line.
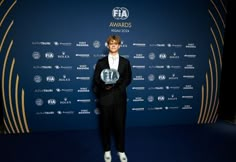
[[109, 76]]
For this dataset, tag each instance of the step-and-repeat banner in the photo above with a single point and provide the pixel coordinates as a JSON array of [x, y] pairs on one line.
[[48, 50]]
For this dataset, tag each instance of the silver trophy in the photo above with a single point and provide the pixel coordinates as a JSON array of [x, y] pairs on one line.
[[110, 76]]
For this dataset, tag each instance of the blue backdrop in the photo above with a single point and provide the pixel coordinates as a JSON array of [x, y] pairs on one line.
[[49, 50]]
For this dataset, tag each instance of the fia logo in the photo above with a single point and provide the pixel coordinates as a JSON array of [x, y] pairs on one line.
[[49, 55], [52, 102], [120, 13], [109, 76]]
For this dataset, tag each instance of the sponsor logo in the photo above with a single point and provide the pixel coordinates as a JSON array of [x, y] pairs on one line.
[[173, 67], [39, 102], [150, 98], [187, 97], [52, 102], [139, 44], [82, 55], [171, 107], [154, 108], [120, 13], [138, 88], [50, 79], [64, 79], [155, 88], [63, 67], [45, 113], [173, 77], [138, 66], [63, 56], [157, 45], [188, 76], [41, 43], [188, 87], [83, 78], [37, 78], [190, 45], [65, 112], [137, 109], [174, 45], [64, 90], [151, 56], [162, 56], [65, 101], [62, 43], [83, 90], [161, 77], [172, 87], [49, 55], [82, 44], [190, 55], [138, 78], [42, 67], [84, 100], [43, 90], [36, 55], [172, 98], [189, 67], [82, 67], [138, 99], [84, 111], [161, 98], [151, 77], [174, 56], [96, 44], [156, 67], [187, 107], [139, 56]]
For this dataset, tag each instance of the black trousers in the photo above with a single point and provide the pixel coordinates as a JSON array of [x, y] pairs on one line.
[[112, 122]]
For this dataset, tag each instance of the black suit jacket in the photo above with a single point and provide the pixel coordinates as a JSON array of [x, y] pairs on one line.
[[116, 95]]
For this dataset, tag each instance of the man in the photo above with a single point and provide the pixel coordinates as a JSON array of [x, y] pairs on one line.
[[110, 89]]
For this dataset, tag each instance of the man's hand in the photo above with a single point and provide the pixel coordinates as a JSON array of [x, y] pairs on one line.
[[108, 87]]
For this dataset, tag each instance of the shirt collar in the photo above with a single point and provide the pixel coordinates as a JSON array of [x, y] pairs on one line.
[[113, 56]]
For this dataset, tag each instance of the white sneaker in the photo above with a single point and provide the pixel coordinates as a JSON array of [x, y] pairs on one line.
[[123, 157], [107, 156]]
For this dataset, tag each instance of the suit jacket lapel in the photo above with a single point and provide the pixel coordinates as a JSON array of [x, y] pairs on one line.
[[107, 63], [120, 64]]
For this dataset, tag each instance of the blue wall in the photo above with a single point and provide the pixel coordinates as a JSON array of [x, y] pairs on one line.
[[49, 49]]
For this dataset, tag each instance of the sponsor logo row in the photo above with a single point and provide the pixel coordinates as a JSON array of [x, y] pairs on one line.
[[97, 112], [98, 44], [150, 98], [36, 55]]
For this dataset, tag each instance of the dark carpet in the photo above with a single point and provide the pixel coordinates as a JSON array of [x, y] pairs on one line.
[[173, 143]]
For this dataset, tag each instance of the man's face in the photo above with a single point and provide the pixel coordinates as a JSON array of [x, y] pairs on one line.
[[113, 46]]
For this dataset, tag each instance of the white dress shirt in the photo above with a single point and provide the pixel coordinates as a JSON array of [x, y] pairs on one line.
[[113, 61]]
